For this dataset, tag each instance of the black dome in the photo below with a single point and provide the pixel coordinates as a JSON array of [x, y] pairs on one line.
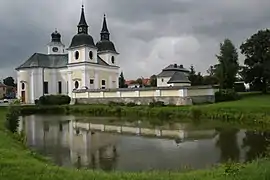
[[56, 36], [105, 45], [82, 39]]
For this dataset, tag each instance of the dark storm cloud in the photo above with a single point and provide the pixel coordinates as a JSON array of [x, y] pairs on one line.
[[147, 33]]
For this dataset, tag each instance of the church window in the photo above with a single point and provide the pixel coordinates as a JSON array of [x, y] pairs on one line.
[[23, 86], [91, 55], [112, 59], [76, 84], [162, 80], [60, 87], [91, 81], [46, 87], [103, 82], [77, 55]]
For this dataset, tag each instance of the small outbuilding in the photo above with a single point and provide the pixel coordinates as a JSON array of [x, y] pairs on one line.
[[173, 75]]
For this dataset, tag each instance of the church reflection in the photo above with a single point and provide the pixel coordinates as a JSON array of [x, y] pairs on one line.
[[73, 143], [71, 146]]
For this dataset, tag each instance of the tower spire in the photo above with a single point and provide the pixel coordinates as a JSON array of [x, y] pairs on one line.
[[104, 35], [82, 26]]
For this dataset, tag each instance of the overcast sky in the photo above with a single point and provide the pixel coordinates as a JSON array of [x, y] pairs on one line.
[[149, 34]]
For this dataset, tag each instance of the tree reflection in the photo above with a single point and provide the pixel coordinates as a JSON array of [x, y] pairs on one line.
[[108, 156], [228, 145], [257, 144]]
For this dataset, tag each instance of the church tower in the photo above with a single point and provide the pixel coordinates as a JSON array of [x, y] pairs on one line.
[[106, 48], [56, 46], [82, 47]]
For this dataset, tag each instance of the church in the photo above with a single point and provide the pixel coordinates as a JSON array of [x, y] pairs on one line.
[[83, 65]]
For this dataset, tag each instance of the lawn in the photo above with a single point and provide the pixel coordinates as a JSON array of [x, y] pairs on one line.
[[18, 163]]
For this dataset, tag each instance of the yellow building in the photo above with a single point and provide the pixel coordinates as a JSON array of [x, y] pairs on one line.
[[83, 65]]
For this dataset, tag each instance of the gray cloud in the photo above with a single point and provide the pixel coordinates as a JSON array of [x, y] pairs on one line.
[[149, 34]]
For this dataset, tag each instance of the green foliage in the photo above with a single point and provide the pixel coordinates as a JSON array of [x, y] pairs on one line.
[[227, 66], [156, 104], [9, 81], [239, 87], [257, 61], [12, 119], [54, 100], [122, 81], [153, 81], [196, 114], [195, 79], [226, 95]]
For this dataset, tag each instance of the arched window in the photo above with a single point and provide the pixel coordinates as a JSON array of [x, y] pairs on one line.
[[23, 86], [77, 55], [76, 84], [91, 55], [112, 59]]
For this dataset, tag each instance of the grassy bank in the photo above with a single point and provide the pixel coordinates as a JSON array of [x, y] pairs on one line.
[[17, 163], [250, 110]]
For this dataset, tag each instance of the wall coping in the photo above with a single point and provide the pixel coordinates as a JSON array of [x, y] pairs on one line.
[[142, 89]]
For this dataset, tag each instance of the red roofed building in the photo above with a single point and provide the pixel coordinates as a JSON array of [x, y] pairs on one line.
[[136, 84]]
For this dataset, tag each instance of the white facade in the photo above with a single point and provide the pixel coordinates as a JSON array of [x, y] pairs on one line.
[[60, 71]]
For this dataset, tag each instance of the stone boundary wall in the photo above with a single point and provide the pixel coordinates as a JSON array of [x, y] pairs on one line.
[[144, 96], [137, 100]]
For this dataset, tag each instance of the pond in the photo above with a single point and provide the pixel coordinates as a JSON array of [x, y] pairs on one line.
[[109, 145]]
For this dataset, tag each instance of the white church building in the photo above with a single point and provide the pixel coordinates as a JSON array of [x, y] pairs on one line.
[[83, 64]]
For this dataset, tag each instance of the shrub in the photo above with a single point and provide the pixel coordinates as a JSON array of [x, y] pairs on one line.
[[131, 104], [239, 87], [113, 103], [195, 114], [226, 95], [54, 100], [156, 104], [12, 119]]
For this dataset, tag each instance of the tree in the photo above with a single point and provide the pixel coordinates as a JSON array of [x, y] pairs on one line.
[[153, 81], [9, 81], [257, 59], [139, 81], [228, 65], [192, 75], [211, 71], [210, 79], [195, 79], [122, 81]]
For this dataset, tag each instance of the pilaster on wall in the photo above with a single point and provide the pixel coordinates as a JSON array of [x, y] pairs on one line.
[[183, 92], [83, 84], [96, 81], [157, 93], [70, 83]]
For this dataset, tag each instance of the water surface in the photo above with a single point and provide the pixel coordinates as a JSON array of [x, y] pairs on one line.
[[106, 144]]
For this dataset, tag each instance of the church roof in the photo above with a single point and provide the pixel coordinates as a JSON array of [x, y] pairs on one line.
[[45, 61], [177, 74], [39, 60], [82, 38], [179, 77], [105, 45]]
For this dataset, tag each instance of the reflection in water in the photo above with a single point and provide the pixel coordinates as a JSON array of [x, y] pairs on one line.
[[227, 142], [75, 144], [257, 143]]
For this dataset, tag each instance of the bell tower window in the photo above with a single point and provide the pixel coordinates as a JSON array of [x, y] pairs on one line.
[[112, 60], [55, 49], [91, 55], [77, 55]]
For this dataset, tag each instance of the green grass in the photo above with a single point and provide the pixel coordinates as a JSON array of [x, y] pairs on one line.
[[19, 163]]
